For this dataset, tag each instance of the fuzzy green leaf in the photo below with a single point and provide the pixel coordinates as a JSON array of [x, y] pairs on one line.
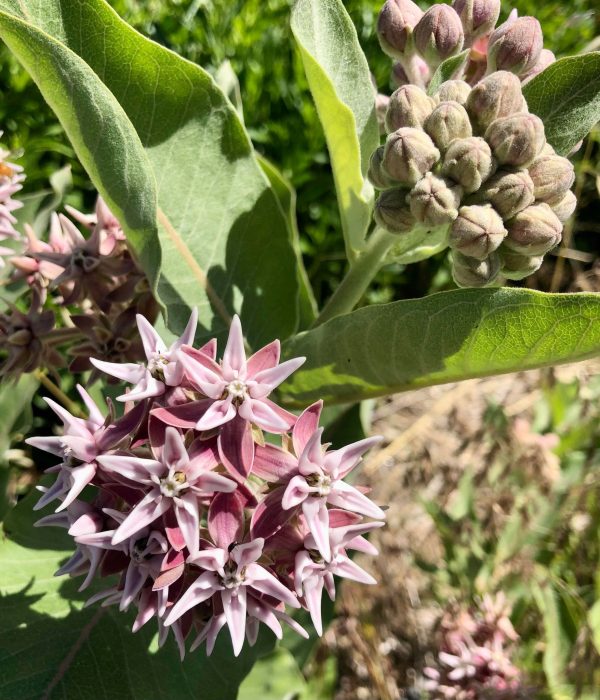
[[445, 337], [169, 152], [340, 83], [566, 97], [450, 69]]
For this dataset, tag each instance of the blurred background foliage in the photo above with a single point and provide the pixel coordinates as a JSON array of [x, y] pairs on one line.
[[255, 38]]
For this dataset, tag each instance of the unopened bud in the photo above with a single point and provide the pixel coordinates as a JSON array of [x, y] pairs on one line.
[[565, 208], [396, 21], [393, 213], [477, 231], [455, 90], [478, 17], [409, 106], [546, 58], [447, 122], [377, 175], [516, 266], [498, 95], [509, 193], [399, 77], [469, 162], [516, 140], [21, 338], [552, 176], [409, 153], [434, 201], [470, 272], [382, 103], [439, 34], [515, 46], [534, 231]]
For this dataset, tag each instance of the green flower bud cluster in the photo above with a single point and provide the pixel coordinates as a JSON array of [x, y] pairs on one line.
[[419, 41], [475, 162]]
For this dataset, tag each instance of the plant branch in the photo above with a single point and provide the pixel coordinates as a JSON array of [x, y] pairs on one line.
[[359, 276], [58, 393]]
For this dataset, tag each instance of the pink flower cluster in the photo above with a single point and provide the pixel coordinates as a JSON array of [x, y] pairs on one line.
[[93, 277], [11, 177], [206, 523], [474, 662]]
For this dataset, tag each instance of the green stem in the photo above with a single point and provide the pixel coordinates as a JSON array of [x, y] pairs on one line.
[[358, 277]]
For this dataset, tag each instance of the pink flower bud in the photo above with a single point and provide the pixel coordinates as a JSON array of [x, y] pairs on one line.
[[377, 175], [409, 153], [470, 272], [448, 121], [468, 162], [478, 17], [439, 34], [509, 193], [565, 208], [477, 231], [552, 176], [516, 266], [393, 213], [434, 201], [455, 90], [534, 231], [515, 46], [409, 106], [516, 140], [395, 24], [399, 77], [498, 95]]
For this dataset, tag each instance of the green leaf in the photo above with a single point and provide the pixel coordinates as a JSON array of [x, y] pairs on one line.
[[340, 83], [566, 96], [593, 619], [169, 152], [53, 648], [275, 677], [286, 196], [450, 69], [557, 643], [445, 337]]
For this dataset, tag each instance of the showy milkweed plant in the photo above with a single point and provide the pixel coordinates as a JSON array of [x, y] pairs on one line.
[[207, 495]]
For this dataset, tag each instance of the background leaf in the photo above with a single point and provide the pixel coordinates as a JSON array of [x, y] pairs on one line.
[[448, 70], [566, 96], [445, 337], [50, 647], [340, 83], [216, 209]]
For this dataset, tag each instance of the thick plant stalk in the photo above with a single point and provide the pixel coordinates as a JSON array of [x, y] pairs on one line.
[[359, 276]]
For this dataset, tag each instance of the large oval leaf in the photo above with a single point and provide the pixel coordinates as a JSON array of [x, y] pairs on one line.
[[340, 83], [445, 337], [51, 647], [566, 97], [217, 214]]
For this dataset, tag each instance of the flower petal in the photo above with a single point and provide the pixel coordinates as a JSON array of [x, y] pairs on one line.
[[128, 372], [200, 590], [236, 447], [268, 379], [188, 519], [151, 341], [234, 607], [131, 467], [265, 358], [225, 519], [305, 426], [271, 463], [174, 453], [345, 496], [217, 414], [146, 512], [317, 519], [264, 582], [234, 356]]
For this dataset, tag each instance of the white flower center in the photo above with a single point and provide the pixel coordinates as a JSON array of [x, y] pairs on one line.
[[173, 484], [156, 365], [238, 390], [68, 457], [232, 578], [322, 482]]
